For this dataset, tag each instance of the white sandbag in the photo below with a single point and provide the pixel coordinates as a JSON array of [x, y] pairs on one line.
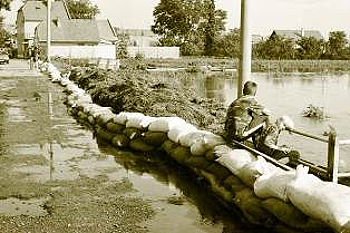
[[190, 138], [164, 124], [177, 131], [207, 142], [274, 185], [235, 159], [327, 201], [250, 172], [122, 117], [139, 121]]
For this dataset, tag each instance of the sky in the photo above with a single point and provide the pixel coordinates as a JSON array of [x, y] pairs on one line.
[[265, 15]]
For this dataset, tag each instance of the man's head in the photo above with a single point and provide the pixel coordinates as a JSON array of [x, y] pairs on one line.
[[250, 88]]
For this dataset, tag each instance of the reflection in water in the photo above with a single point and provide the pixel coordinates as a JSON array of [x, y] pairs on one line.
[[194, 188]]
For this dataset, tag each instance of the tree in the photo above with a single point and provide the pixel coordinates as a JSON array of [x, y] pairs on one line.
[[275, 47], [82, 9], [5, 4], [189, 24], [337, 45], [228, 44], [310, 48]]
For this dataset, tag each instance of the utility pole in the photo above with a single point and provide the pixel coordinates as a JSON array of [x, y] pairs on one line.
[[48, 41], [246, 48]]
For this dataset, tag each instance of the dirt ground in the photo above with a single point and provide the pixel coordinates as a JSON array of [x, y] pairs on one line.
[[80, 203]]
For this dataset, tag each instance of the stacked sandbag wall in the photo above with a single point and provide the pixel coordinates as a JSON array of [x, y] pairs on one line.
[[285, 201]]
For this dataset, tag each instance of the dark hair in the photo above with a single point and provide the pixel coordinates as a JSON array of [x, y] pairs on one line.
[[250, 88]]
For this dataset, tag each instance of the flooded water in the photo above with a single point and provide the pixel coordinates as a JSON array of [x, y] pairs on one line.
[[290, 94], [45, 148]]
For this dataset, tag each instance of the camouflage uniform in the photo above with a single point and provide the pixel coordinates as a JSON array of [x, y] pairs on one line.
[[266, 142], [239, 117]]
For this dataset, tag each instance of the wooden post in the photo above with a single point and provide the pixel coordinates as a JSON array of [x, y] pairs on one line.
[[107, 64], [246, 47], [333, 156]]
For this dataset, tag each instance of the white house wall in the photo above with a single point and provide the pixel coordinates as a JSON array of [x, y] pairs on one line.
[[29, 28], [154, 52], [76, 51]]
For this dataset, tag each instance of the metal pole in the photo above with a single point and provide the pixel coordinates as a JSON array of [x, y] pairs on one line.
[[48, 41], [246, 47]]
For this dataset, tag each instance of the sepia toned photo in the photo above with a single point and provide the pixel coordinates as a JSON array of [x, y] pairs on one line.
[[174, 116]]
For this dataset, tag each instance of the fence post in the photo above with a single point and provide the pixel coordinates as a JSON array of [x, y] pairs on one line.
[[333, 156], [107, 65]]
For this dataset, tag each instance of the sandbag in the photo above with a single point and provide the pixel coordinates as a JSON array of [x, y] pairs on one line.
[[219, 171], [205, 143], [154, 138], [252, 208], [104, 134], [177, 131], [164, 124], [169, 146], [104, 118], [191, 137], [114, 127], [217, 187], [133, 133], [292, 217], [210, 155], [139, 121], [327, 201], [180, 154], [91, 120], [251, 171], [235, 159], [120, 140], [234, 184], [197, 162], [274, 185], [82, 116], [122, 117], [138, 145]]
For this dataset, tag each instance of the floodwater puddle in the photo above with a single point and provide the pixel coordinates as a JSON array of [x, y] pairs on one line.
[[14, 207]]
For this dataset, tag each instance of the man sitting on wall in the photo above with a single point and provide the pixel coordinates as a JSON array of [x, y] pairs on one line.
[[245, 116]]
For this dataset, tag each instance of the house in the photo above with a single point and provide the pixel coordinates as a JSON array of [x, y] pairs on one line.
[[297, 34], [78, 38], [145, 43], [30, 15], [140, 37]]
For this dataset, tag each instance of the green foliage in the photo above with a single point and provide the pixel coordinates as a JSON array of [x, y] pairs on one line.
[[187, 23], [82, 9]]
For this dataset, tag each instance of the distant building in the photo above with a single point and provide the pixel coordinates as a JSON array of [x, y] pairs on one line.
[[297, 34], [144, 42], [140, 37], [28, 18], [78, 38]]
